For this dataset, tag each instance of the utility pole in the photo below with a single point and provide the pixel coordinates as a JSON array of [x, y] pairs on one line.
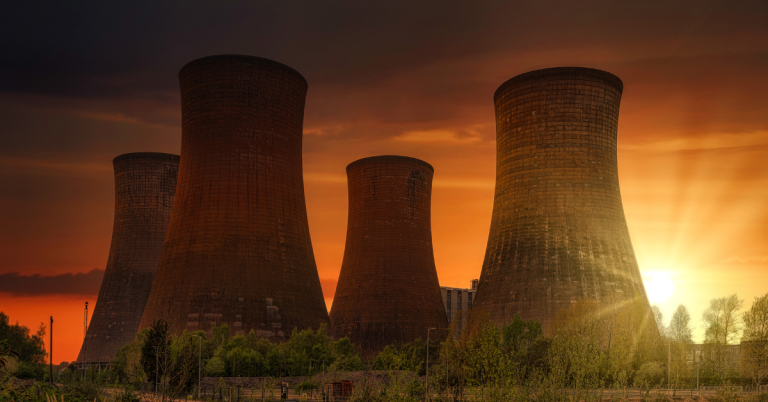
[[50, 348], [426, 396]]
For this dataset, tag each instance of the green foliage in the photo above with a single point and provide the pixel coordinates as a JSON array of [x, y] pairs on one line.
[[519, 335], [30, 347], [650, 375], [306, 385], [154, 351], [127, 367], [410, 356], [126, 394], [307, 352], [30, 371], [215, 367], [80, 391]]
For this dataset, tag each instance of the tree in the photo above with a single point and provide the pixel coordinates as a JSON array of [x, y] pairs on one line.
[[154, 352], [723, 326], [680, 326], [659, 318], [519, 335], [755, 341], [722, 320], [30, 347], [681, 337]]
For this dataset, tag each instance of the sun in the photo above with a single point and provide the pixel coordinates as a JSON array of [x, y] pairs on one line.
[[658, 285]]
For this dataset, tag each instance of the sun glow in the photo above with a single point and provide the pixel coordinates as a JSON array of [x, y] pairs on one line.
[[658, 285]]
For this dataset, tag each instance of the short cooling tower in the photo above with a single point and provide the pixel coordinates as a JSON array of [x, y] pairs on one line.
[[145, 184], [388, 290], [558, 233], [238, 250]]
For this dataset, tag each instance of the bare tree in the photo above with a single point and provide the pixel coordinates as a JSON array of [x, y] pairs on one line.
[[680, 326], [659, 318], [681, 335], [722, 320], [723, 327], [755, 341]]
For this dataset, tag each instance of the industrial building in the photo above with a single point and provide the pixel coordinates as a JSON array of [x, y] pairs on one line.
[[457, 303], [238, 250], [388, 291], [145, 185], [558, 232]]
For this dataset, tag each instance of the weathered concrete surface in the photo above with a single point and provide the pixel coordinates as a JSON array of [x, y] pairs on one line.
[[238, 250], [145, 184], [388, 289], [558, 232]]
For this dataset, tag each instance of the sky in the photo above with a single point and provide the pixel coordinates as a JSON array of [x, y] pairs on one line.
[[82, 82]]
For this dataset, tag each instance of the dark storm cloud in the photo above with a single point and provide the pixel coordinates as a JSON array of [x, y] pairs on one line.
[[87, 283], [134, 49]]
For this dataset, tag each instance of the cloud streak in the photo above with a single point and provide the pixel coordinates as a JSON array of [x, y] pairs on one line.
[[79, 283]]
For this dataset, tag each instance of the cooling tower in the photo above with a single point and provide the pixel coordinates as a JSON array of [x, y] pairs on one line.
[[388, 290], [238, 250], [145, 184], [558, 232]]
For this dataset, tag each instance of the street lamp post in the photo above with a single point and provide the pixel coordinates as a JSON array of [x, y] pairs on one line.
[[426, 396], [199, 363]]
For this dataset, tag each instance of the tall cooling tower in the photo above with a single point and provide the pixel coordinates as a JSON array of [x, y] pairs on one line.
[[558, 232], [388, 290], [145, 184], [238, 250]]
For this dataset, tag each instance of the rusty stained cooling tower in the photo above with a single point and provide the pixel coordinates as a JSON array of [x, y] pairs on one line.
[[558, 232], [388, 290], [145, 184], [238, 249]]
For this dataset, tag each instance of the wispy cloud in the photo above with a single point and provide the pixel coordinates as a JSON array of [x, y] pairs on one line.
[[440, 136], [755, 259], [704, 142], [53, 165], [464, 183], [79, 283]]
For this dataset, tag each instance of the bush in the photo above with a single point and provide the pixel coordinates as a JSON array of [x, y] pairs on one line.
[[29, 371], [80, 391], [306, 385], [126, 395], [216, 367], [650, 375]]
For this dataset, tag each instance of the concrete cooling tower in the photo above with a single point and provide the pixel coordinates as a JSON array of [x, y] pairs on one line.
[[388, 290], [238, 250], [558, 232], [145, 184]]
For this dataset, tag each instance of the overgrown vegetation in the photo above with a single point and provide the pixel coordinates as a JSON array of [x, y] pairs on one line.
[[586, 352]]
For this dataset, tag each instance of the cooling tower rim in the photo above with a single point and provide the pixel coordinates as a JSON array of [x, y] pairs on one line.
[[564, 71], [244, 58], [387, 158], [159, 156]]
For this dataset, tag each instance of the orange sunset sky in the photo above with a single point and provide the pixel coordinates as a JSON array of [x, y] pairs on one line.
[[83, 83]]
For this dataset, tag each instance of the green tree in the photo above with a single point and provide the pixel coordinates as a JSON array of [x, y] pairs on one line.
[[754, 345], [154, 352], [681, 336], [658, 317], [29, 346], [722, 328], [519, 335]]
